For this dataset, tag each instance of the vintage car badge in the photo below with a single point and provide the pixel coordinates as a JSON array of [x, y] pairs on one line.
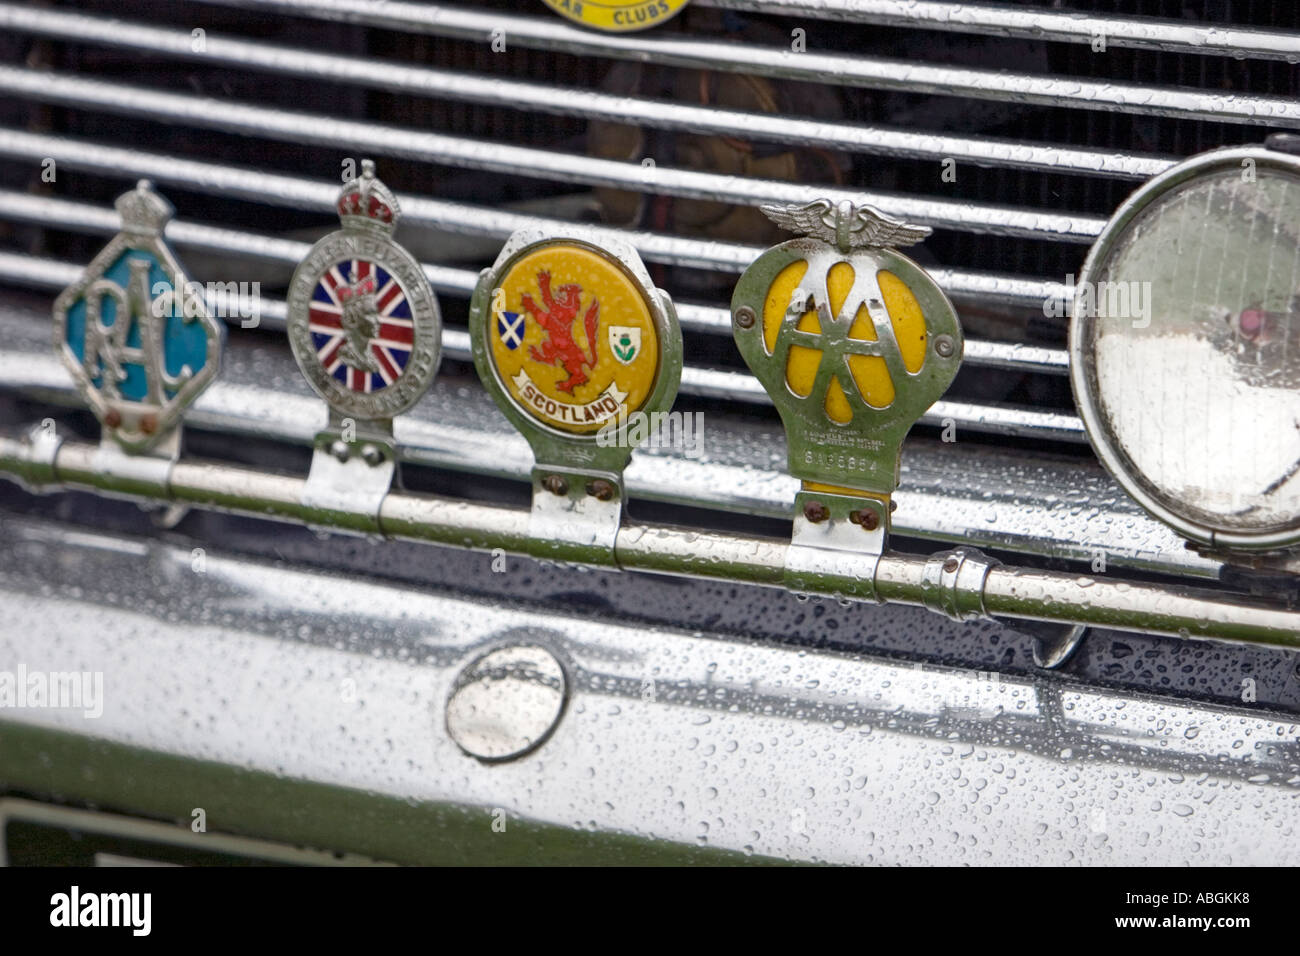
[[617, 16], [366, 331], [853, 341], [136, 334], [579, 350]]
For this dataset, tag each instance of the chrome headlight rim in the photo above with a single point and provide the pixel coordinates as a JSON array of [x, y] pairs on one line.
[[1087, 398]]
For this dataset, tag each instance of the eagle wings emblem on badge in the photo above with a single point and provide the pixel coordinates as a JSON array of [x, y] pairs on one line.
[[845, 225]]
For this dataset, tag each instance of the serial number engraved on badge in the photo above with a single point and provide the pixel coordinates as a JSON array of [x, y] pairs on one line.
[[847, 441], [838, 460]]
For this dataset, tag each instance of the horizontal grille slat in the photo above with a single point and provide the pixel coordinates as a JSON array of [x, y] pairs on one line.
[[1067, 26], [843, 69], [332, 132], [520, 95], [304, 194]]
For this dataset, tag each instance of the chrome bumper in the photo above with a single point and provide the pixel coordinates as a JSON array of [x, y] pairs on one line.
[[309, 708]]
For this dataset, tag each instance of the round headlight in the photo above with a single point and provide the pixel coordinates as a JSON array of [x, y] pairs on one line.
[[1185, 347]]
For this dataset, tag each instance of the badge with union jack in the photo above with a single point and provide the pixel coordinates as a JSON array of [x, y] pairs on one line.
[[363, 322]]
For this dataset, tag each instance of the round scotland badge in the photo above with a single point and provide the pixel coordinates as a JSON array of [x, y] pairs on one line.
[[363, 322], [576, 345], [582, 349]]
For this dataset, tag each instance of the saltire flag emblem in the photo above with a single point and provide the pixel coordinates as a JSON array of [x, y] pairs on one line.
[[361, 325], [510, 326]]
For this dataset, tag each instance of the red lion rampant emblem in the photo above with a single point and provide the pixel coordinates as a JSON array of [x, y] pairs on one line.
[[556, 321]]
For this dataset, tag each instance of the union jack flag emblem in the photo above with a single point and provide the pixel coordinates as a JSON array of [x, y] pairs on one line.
[[361, 325]]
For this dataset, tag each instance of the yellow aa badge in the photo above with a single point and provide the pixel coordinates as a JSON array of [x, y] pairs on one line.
[[851, 339], [856, 342], [572, 338], [617, 16]]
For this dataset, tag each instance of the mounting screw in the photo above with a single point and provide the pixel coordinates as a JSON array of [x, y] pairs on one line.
[[112, 418], [951, 564], [601, 489], [555, 485], [893, 506], [866, 518], [373, 455], [815, 512], [745, 317], [148, 424], [943, 346], [340, 450]]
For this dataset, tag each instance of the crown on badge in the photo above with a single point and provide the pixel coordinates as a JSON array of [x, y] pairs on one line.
[[367, 203], [356, 289], [143, 211]]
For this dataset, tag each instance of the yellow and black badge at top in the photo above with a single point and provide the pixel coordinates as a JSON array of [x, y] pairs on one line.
[[617, 16]]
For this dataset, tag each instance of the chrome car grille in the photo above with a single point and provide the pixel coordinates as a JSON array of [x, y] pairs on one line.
[[878, 729], [488, 117]]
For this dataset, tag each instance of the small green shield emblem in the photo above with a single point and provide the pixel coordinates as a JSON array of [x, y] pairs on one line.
[[624, 342]]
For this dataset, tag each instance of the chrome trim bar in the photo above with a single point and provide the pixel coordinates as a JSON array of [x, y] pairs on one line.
[[502, 92], [900, 578], [725, 384], [840, 68], [965, 492], [423, 146], [1061, 26]]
